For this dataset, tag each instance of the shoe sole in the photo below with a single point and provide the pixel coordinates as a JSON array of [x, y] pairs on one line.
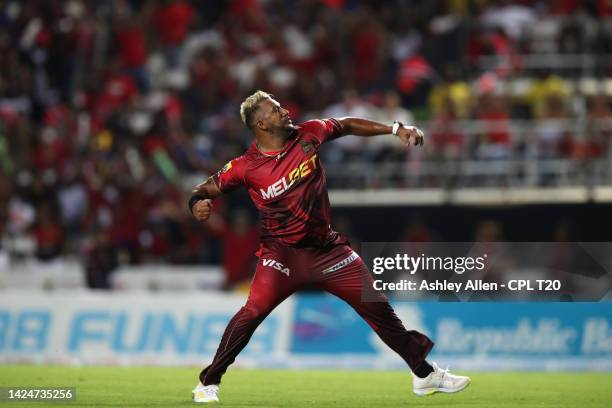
[[201, 401], [432, 391]]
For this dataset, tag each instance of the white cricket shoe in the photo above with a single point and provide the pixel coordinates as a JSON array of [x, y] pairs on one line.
[[205, 393], [439, 381]]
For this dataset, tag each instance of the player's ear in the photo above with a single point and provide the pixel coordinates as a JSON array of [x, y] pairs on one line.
[[261, 125]]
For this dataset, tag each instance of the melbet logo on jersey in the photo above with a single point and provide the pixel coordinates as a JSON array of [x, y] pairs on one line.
[[280, 186], [276, 265]]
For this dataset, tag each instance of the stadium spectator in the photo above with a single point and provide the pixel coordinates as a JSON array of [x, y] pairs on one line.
[[351, 105], [389, 148], [598, 134], [367, 52], [133, 50], [447, 139], [413, 79], [495, 142], [48, 233], [451, 89], [543, 86], [553, 127], [509, 16], [100, 259], [171, 19]]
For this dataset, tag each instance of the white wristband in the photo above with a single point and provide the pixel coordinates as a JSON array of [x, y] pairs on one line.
[[395, 128]]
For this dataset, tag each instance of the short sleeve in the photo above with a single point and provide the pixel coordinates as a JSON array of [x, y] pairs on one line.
[[324, 129], [231, 176]]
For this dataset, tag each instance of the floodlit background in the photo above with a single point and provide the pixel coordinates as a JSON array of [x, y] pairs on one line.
[[111, 111]]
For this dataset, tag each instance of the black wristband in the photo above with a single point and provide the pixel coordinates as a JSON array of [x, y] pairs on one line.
[[193, 200]]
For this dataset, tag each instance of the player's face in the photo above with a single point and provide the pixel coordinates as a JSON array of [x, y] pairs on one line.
[[275, 117]]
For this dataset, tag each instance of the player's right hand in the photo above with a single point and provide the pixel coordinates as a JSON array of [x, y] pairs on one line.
[[202, 209], [409, 134]]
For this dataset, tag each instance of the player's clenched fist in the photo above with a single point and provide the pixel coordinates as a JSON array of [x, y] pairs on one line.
[[412, 134], [202, 209]]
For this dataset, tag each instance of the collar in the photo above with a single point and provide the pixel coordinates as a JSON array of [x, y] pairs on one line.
[[278, 154]]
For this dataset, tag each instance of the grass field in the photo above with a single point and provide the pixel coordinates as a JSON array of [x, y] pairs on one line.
[[171, 387]]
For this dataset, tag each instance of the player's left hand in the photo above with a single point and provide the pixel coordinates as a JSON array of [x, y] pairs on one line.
[[411, 134]]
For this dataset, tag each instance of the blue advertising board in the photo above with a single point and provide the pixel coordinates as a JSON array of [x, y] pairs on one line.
[[325, 324], [315, 330]]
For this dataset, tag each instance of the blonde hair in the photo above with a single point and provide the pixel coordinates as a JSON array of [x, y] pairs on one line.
[[250, 105]]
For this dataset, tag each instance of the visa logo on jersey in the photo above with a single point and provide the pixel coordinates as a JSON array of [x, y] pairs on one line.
[[280, 186], [276, 265]]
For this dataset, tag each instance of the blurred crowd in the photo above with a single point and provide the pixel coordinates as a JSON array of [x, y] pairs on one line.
[[110, 108]]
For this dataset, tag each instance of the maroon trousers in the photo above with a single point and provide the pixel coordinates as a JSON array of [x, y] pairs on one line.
[[337, 269]]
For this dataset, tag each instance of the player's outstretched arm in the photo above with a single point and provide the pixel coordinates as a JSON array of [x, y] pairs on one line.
[[365, 127], [200, 203]]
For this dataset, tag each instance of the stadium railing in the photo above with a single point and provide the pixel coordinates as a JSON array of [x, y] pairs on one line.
[[544, 153]]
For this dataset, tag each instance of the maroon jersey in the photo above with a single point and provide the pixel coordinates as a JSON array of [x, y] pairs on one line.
[[288, 188]]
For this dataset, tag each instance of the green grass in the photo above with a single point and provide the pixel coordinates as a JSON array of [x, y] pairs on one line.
[[171, 387]]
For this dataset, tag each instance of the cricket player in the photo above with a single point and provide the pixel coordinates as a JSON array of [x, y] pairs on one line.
[[285, 179]]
